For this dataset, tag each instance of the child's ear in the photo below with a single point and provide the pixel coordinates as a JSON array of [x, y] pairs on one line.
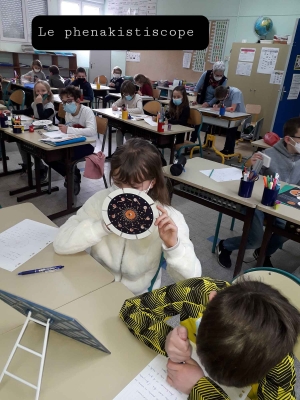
[[212, 294]]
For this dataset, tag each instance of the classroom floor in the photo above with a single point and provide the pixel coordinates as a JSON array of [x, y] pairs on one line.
[[201, 220]]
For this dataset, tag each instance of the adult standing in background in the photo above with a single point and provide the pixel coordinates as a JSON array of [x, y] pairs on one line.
[[205, 90]]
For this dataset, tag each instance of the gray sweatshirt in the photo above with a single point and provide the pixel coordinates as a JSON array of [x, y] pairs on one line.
[[287, 165]]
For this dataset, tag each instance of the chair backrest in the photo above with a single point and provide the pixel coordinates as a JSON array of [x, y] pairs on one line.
[[253, 109], [61, 112], [287, 284], [101, 125], [195, 117], [156, 93], [18, 97], [257, 129], [152, 107], [102, 79]]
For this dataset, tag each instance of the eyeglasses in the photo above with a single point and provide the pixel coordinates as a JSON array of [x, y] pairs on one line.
[[68, 101]]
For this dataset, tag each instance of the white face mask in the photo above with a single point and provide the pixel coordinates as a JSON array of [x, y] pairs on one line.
[[115, 187], [36, 70], [116, 76], [217, 78], [296, 145]]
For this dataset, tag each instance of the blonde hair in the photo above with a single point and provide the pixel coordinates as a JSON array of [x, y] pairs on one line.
[[47, 86]]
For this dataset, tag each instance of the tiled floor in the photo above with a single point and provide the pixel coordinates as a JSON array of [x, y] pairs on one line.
[[201, 220]]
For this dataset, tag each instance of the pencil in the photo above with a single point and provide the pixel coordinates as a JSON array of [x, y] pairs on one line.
[[211, 173]]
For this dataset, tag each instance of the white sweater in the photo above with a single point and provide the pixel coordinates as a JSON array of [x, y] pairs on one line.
[[85, 118], [134, 106], [133, 262]]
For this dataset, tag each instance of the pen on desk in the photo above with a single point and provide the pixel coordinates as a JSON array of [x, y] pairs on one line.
[[36, 271], [211, 173]]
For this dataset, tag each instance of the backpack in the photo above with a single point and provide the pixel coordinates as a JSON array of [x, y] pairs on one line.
[[271, 138], [94, 165]]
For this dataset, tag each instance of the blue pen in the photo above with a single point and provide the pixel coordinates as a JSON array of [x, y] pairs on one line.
[[36, 271]]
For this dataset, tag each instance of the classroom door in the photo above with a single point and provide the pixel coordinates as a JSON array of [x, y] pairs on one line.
[[100, 64], [288, 104]]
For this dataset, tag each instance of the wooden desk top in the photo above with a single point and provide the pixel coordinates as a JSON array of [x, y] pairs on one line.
[[34, 137], [229, 190], [142, 124], [118, 95], [102, 87], [82, 273], [230, 116], [260, 144], [58, 100], [53, 89], [73, 370]]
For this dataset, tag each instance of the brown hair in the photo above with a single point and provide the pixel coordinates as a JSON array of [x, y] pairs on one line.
[[291, 126], [137, 161], [175, 111], [221, 92], [37, 63], [140, 78], [80, 69], [54, 69], [246, 330], [127, 87], [70, 91], [50, 97]]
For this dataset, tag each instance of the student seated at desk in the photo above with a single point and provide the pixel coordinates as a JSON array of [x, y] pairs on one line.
[[116, 83], [80, 120], [145, 85], [244, 336], [133, 103], [232, 98], [41, 108], [55, 80], [179, 110], [83, 84], [136, 164], [285, 160], [36, 72]]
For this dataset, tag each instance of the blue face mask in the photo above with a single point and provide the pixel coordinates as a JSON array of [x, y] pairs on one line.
[[128, 98], [177, 102], [45, 96], [70, 107]]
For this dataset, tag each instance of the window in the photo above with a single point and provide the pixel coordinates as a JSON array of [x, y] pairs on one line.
[[78, 7], [16, 17]]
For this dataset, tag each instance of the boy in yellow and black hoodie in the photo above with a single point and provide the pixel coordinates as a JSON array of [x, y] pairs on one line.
[[244, 335]]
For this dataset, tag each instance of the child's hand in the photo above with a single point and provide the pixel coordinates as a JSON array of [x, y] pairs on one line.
[[111, 84], [167, 229], [205, 105], [255, 157], [184, 377], [139, 92], [7, 112], [178, 346], [215, 106], [38, 99], [63, 128], [114, 108], [194, 103]]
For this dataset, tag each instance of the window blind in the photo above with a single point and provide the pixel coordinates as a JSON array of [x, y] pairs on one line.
[[12, 19], [35, 8]]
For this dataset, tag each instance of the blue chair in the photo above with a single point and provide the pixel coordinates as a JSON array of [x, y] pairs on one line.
[[195, 119], [284, 282]]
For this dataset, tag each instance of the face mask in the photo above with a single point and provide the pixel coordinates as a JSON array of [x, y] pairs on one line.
[[116, 76], [177, 102], [70, 107], [147, 190], [81, 80], [296, 145], [115, 187], [45, 96], [36, 70], [217, 78], [128, 98]]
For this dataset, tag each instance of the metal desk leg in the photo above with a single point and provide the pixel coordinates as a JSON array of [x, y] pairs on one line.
[[246, 229], [266, 238], [4, 162]]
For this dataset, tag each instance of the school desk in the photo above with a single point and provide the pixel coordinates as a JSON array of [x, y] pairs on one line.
[[142, 129], [285, 212], [118, 96], [260, 144], [81, 274], [21, 86], [30, 143], [102, 87], [220, 196]]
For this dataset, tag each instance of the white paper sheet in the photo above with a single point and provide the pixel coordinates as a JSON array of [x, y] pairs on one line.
[[267, 60], [150, 121], [59, 138], [23, 118], [295, 88], [22, 241], [54, 134], [186, 62], [133, 57], [276, 77], [247, 54], [244, 68], [224, 174]]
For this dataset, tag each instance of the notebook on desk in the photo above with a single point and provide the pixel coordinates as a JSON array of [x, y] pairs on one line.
[[59, 140]]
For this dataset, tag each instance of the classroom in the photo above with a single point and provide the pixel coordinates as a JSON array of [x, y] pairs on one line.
[[150, 202]]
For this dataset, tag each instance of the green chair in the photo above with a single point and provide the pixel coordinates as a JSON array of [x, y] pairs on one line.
[[195, 119], [6, 92], [287, 284]]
